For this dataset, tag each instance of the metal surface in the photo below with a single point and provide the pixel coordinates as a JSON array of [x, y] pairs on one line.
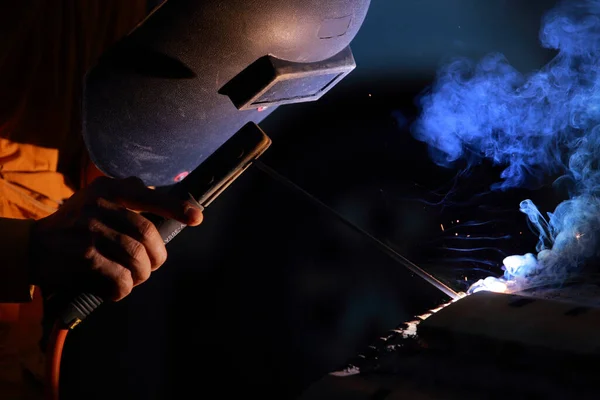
[[484, 319], [487, 345], [582, 289]]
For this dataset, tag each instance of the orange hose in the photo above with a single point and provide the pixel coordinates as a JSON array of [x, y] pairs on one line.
[[53, 357]]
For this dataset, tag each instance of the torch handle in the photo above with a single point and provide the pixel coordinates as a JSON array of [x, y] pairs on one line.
[[201, 187], [84, 304]]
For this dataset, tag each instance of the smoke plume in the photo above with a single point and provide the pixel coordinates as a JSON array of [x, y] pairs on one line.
[[535, 126]]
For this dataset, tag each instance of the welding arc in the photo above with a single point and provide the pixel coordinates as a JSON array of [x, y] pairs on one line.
[[387, 249]]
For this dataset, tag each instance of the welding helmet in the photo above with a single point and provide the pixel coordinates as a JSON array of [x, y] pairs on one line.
[[188, 77]]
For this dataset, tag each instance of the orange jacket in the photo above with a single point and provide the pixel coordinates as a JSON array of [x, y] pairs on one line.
[[45, 48], [30, 188]]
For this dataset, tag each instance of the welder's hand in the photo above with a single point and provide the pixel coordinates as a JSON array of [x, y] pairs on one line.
[[96, 243]]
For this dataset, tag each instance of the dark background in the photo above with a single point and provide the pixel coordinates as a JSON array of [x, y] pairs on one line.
[[272, 292]]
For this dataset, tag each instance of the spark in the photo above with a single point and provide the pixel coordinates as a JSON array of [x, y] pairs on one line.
[[471, 260], [471, 237], [475, 224], [516, 121], [442, 226], [475, 249]]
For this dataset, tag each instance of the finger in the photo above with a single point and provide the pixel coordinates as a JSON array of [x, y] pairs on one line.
[[110, 280], [137, 226], [133, 193], [122, 249]]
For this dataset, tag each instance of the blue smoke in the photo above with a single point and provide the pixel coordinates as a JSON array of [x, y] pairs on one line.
[[538, 125]]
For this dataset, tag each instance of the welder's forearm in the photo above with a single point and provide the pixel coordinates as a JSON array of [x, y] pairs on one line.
[[14, 247]]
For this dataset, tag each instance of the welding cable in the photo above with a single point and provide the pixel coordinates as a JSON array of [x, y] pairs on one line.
[[386, 248], [53, 358], [72, 314], [84, 304]]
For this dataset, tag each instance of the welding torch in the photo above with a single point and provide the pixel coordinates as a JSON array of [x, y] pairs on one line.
[[201, 187]]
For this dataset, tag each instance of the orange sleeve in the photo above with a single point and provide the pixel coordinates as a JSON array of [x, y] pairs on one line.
[[14, 243]]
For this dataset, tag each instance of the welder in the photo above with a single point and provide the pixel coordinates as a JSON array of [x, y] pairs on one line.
[[67, 226], [45, 47]]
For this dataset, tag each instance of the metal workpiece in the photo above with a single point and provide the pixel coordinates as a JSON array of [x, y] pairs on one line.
[[486, 345]]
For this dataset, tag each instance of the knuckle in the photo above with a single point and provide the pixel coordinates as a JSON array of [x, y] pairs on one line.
[[161, 256], [145, 228], [93, 224], [142, 275], [123, 284], [91, 259], [89, 253], [101, 202], [134, 248]]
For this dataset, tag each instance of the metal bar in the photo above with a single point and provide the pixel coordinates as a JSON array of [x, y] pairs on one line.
[[381, 245]]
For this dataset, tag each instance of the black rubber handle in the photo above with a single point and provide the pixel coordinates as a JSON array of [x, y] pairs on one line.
[[79, 308]]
